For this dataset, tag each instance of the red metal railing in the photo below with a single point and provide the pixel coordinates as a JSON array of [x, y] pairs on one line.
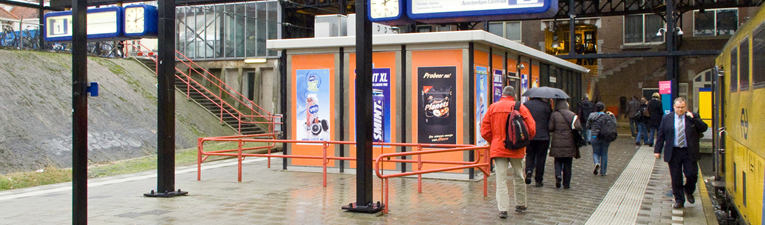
[[481, 162], [223, 88]]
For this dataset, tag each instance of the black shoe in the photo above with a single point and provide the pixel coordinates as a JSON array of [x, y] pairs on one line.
[[503, 214], [637, 143], [597, 167], [557, 182], [566, 187], [650, 144], [520, 208], [539, 184], [528, 177], [678, 206], [689, 198]]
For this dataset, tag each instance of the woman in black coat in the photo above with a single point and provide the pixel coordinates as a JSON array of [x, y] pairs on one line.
[[656, 110], [563, 123]]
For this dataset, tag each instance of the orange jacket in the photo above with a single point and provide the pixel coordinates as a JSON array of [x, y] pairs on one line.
[[493, 127]]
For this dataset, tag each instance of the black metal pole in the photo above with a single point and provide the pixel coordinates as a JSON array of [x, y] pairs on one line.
[[363, 114], [342, 102], [471, 101], [79, 113], [670, 35], [166, 103], [41, 28], [571, 24]]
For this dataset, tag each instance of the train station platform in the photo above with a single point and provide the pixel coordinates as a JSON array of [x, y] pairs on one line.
[[636, 190]]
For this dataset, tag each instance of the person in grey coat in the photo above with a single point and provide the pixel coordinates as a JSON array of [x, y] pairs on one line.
[[599, 147], [632, 108], [536, 151], [563, 123]]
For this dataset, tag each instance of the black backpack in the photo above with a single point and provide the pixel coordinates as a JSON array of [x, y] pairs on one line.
[[608, 129], [517, 130]]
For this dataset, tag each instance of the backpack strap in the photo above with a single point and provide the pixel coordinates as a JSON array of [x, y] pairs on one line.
[[517, 106]]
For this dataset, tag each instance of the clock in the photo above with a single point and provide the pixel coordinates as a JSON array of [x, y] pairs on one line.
[[140, 20], [384, 9]]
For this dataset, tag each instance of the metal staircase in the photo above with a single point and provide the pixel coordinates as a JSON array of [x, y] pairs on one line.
[[242, 114]]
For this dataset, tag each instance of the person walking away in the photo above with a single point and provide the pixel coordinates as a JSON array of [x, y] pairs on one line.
[[656, 111], [493, 128], [632, 108], [599, 147], [536, 152], [642, 119], [562, 124], [583, 111], [678, 138]]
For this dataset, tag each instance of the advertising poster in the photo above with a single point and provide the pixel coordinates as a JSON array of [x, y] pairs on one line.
[[312, 105], [381, 105], [436, 108], [536, 83], [665, 89], [524, 86], [481, 76], [497, 85]]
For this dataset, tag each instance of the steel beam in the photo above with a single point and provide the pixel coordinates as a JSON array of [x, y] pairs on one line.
[[643, 54]]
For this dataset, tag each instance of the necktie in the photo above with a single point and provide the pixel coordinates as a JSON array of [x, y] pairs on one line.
[[681, 133]]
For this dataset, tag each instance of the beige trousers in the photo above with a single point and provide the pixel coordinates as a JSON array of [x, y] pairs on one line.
[[503, 199]]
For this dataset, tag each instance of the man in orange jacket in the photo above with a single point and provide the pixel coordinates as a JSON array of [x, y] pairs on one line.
[[493, 129]]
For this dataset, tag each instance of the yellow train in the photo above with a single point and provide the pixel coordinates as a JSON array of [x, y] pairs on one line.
[[740, 122]]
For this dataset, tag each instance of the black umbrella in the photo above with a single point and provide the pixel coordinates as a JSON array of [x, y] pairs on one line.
[[546, 92]]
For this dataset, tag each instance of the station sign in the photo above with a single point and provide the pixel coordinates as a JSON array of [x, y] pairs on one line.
[[391, 12], [478, 10], [106, 23]]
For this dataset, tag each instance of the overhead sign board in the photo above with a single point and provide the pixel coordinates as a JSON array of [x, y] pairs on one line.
[[103, 23], [478, 10]]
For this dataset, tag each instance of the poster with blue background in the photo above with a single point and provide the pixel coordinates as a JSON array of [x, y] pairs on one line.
[[497, 87], [524, 86], [481, 76], [381, 105], [312, 105]]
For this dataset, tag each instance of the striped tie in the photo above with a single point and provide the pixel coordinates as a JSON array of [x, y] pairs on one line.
[[681, 133]]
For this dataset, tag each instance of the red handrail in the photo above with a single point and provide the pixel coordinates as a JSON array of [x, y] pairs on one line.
[[481, 162], [241, 117]]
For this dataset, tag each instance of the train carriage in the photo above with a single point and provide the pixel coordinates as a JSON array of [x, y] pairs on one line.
[[740, 122]]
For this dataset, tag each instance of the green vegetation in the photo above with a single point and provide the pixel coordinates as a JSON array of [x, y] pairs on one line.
[[52, 175]]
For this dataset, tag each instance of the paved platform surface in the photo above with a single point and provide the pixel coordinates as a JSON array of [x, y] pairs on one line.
[[275, 196]]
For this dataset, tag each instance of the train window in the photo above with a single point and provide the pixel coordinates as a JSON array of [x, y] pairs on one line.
[[743, 186], [735, 184], [743, 74], [758, 62], [734, 70]]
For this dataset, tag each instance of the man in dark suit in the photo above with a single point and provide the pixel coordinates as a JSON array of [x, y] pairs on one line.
[[679, 139]]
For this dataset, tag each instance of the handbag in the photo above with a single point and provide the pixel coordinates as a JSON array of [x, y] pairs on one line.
[[578, 140]]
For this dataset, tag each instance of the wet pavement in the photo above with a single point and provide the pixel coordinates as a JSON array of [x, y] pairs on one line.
[[275, 196]]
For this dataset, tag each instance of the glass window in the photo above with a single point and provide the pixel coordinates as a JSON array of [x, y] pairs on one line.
[[497, 28], [262, 31], [715, 22], [273, 25], [506, 29], [250, 36], [513, 31], [743, 61], [758, 60], [640, 29], [734, 70]]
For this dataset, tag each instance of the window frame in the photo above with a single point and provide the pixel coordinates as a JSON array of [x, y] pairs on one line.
[[744, 85], [642, 32], [757, 68], [504, 29], [693, 15]]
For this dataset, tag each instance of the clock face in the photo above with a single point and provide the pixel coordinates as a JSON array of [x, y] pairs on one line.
[[134, 20], [384, 8]]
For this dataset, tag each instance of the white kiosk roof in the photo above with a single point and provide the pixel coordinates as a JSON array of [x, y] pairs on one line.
[[478, 36]]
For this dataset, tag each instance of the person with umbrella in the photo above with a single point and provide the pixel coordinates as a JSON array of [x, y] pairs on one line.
[[536, 151]]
